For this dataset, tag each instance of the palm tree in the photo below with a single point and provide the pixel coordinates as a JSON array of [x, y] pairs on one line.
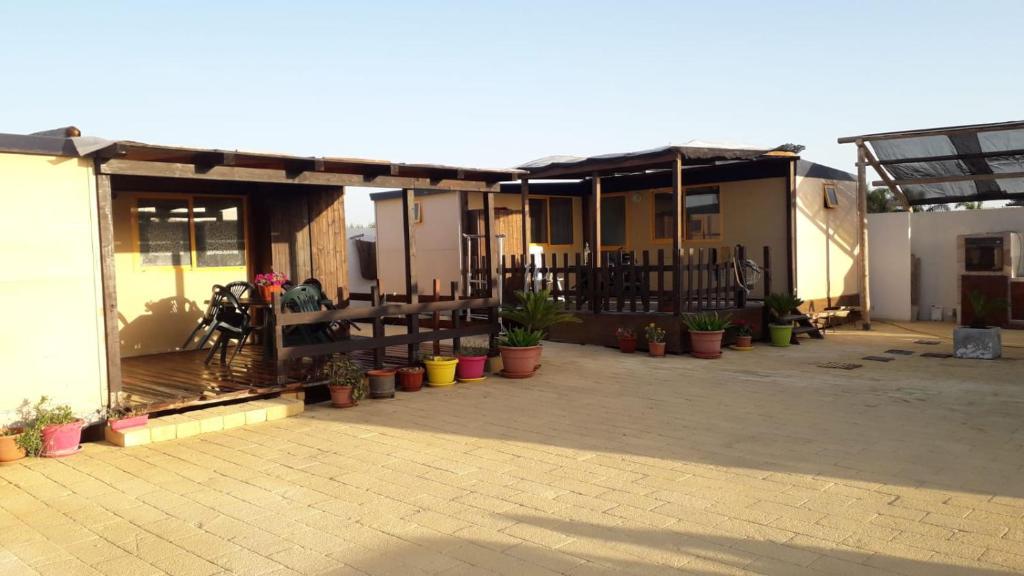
[[970, 205], [880, 200]]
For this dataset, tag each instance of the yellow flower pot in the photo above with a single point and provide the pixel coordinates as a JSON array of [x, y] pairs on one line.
[[440, 370]]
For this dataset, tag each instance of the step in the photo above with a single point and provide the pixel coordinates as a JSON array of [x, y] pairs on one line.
[[207, 420]]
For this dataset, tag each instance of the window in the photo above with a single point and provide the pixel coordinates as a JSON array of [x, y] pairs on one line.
[[613, 221], [703, 214], [200, 231], [164, 233], [220, 232], [831, 196], [538, 221], [663, 209], [560, 212]]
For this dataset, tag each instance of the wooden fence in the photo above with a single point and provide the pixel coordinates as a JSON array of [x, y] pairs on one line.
[[698, 279]]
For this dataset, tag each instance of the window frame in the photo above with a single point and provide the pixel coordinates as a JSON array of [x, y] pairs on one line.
[[830, 203], [686, 216], [193, 252], [547, 212], [608, 247]]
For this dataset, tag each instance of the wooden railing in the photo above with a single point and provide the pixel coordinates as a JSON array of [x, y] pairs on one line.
[[452, 306], [698, 279]]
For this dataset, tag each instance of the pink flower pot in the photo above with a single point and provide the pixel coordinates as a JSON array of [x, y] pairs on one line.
[[706, 345], [62, 439], [470, 367], [125, 423]]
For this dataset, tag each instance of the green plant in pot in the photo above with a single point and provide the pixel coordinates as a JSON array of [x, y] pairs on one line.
[[472, 360], [51, 430], [655, 340], [345, 380], [980, 340], [706, 330], [781, 306], [533, 315], [627, 339], [744, 335]]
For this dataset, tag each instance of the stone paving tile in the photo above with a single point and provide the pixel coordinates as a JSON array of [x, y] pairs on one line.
[[759, 463]]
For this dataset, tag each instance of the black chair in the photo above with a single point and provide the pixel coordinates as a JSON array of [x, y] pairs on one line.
[[208, 318], [241, 289], [232, 322]]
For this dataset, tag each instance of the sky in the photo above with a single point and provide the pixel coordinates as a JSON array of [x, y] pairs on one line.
[[495, 84]]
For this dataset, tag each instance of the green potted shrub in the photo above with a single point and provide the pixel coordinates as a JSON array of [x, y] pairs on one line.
[[979, 340], [345, 380], [781, 305], [744, 335], [655, 340], [10, 450], [122, 416], [472, 359], [706, 330], [627, 340], [51, 431], [520, 348]]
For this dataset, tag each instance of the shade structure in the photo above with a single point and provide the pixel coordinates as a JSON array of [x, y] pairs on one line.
[[952, 164]]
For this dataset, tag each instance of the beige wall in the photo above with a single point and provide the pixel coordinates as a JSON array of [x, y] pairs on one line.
[[826, 242], [157, 306], [53, 341], [437, 243]]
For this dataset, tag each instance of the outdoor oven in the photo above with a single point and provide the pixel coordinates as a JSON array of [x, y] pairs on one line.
[[992, 264]]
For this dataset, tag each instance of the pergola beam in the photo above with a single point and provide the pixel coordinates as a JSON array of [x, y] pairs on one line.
[[948, 157], [893, 187], [945, 131], [963, 178]]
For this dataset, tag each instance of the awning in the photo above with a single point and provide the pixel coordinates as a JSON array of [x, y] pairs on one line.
[[952, 164]]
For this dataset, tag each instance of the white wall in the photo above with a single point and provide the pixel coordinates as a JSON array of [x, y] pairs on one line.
[[437, 242], [889, 253], [827, 243], [933, 238]]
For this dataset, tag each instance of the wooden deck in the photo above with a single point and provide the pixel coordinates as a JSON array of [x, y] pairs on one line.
[[179, 379]]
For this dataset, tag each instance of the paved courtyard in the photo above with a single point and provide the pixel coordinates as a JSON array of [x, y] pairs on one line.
[[759, 463]]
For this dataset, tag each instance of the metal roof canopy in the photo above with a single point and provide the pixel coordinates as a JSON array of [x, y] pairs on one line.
[[947, 165]]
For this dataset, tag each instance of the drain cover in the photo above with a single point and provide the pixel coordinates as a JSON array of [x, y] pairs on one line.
[[936, 355], [928, 342], [840, 365], [878, 358], [900, 352]]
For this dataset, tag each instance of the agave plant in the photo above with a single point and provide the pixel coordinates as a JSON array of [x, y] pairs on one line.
[[984, 308], [782, 304], [536, 312], [521, 338], [706, 322]]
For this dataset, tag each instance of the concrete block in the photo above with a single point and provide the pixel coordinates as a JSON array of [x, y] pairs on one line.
[[977, 343], [209, 422], [294, 394], [278, 408], [128, 437], [233, 417], [160, 430], [186, 425], [254, 415]]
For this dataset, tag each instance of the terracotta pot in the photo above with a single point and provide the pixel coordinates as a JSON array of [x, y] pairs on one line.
[[744, 341], [341, 396], [440, 370], [627, 345], [130, 422], [656, 349], [410, 378], [62, 439], [706, 345], [470, 367], [9, 449], [520, 362], [382, 383]]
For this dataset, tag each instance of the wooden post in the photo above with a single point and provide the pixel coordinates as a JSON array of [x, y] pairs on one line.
[[412, 290], [595, 219], [524, 198], [862, 219], [741, 292], [492, 273], [436, 324], [105, 211], [456, 319], [678, 228], [378, 326]]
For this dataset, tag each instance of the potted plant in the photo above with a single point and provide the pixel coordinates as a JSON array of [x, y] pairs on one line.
[[520, 347], [706, 330], [627, 340], [382, 383], [471, 363], [345, 381], [51, 431], [655, 340], [10, 450], [440, 370], [781, 306], [269, 283], [979, 340], [410, 378], [744, 335], [122, 416]]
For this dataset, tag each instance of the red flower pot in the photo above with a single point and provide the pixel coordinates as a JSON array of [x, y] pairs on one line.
[[627, 345], [470, 367], [341, 396], [62, 439], [706, 345], [410, 378], [520, 362], [131, 422], [656, 349]]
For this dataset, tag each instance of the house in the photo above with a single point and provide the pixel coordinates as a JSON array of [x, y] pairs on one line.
[[795, 219], [112, 248]]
